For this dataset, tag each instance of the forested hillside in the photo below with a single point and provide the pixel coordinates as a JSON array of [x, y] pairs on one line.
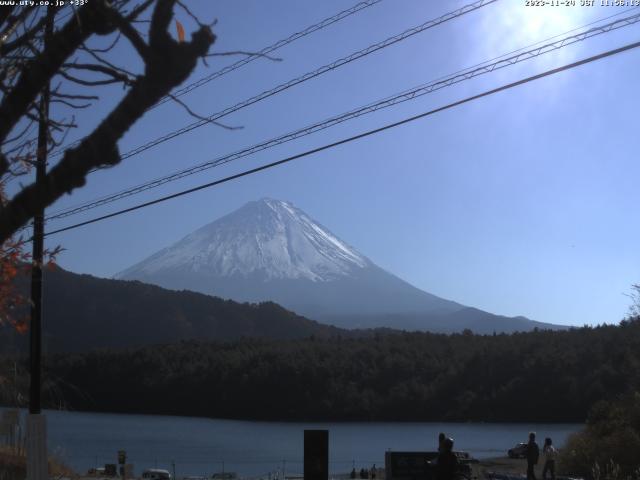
[[82, 312], [537, 376]]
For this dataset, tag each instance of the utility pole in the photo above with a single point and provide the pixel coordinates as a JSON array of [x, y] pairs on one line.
[[37, 464]]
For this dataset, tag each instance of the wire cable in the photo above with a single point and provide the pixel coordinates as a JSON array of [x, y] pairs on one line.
[[262, 53], [271, 48], [343, 141], [308, 76], [407, 95]]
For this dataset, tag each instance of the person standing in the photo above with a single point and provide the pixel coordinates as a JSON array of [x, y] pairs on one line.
[[441, 439], [533, 453], [549, 452], [447, 465]]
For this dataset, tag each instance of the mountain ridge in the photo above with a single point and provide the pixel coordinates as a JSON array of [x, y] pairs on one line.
[[269, 250], [83, 312]]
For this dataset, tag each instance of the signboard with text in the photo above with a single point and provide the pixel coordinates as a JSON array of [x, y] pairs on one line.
[[409, 465]]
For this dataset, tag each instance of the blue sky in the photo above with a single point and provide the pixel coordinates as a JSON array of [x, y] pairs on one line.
[[522, 203]]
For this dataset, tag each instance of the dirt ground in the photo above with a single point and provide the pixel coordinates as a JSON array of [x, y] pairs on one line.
[[506, 465]]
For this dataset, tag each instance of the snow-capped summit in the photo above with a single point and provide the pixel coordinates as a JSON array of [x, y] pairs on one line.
[[268, 238], [271, 250]]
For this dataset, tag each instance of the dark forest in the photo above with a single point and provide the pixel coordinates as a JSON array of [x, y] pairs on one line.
[[543, 376]]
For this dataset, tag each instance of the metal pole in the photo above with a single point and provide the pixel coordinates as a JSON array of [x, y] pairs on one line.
[[15, 382], [36, 423], [36, 270]]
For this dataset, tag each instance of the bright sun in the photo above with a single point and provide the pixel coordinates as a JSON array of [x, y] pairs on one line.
[[512, 25], [540, 23]]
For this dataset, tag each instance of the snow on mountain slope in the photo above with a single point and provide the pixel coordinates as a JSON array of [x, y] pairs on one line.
[[268, 237]]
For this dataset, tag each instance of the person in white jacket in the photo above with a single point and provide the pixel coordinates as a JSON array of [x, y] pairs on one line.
[[549, 452]]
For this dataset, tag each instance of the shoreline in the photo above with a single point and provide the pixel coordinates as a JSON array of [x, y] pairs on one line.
[[529, 423]]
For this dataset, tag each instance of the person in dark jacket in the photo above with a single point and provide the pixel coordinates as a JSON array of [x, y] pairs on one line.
[[533, 452], [447, 461], [441, 438]]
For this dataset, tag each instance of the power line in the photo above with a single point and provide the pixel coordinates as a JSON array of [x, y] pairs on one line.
[[368, 133], [408, 95], [308, 76], [390, 101], [262, 53], [271, 48], [312, 74]]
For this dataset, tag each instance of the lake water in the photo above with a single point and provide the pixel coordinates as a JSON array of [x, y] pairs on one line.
[[201, 446]]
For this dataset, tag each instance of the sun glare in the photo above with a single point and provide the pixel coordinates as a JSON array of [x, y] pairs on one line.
[[529, 24], [513, 25]]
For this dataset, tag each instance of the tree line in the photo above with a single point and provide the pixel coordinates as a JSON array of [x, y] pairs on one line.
[[540, 376]]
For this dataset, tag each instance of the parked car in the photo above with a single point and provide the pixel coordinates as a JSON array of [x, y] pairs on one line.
[[156, 474], [96, 472], [224, 476], [519, 451]]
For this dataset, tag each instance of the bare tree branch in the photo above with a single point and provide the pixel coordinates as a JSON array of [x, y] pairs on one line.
[[13, 22], [39, 71], [4, 164], [132, 35], [201, 117], [5, 13], [56, 93], [159, 30], [19, 135], [114, 74], [62, 125], [136, 12], [23, 39], [167, 64], [109, 47], [19, 148], [106, 62], [77, 106], [88, 83]]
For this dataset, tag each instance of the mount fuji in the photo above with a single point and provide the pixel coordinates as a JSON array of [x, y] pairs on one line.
[[271, 250]]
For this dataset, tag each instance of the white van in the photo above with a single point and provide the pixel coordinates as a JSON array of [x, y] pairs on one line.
[[156, 474]]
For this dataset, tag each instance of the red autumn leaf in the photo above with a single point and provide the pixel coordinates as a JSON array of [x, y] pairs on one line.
[[10, 271], [21, 327], [180, 29]]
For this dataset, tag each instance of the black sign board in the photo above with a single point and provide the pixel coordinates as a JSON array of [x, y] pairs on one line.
[[316, 454]]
